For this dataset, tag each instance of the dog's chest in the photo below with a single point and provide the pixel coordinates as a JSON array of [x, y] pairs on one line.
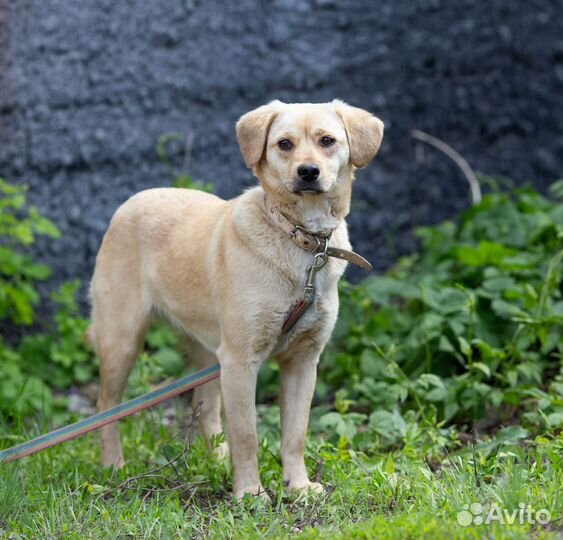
[[318, 318]]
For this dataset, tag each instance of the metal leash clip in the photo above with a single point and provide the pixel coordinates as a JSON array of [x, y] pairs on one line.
[[301, 307], [319, 262]]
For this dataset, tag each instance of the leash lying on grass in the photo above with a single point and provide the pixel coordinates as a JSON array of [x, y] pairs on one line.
[[111, 415]]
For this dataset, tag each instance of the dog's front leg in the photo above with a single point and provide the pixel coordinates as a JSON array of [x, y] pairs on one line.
[[298, 377], [238, 386]]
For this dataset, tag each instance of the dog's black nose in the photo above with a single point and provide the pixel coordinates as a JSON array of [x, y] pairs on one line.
[[309, 173]]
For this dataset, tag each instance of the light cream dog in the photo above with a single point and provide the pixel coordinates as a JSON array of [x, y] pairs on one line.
[[228, 276]]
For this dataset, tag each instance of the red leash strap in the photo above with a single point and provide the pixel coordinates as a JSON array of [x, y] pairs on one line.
[[298, 311]]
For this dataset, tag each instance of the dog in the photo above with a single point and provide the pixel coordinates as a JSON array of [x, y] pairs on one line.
[[243, 280]]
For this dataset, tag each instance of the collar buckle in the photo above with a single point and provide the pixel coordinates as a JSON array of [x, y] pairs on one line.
[[296, 229], [322, 241]]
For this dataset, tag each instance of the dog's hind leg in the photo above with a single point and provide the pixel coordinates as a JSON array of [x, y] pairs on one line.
[[119, 324], [209, 396]]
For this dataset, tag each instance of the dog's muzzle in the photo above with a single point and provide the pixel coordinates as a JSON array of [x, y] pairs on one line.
[[307, 181]]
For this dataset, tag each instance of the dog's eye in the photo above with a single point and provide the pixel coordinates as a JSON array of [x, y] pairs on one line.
[[327, 141], [285, 144]]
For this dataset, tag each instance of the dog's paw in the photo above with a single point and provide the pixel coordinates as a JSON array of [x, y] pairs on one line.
[[113, 462], [306, 488], [253, 494]]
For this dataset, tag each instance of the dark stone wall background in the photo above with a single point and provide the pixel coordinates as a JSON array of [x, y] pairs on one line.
[[86, 89]]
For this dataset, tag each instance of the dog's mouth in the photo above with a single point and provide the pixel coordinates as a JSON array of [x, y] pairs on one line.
[[307, 188], [309, 192]]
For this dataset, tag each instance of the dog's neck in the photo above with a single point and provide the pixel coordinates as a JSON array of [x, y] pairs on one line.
[[318, 214]]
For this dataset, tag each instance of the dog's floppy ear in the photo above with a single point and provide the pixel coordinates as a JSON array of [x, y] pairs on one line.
[[252, 132], [364, 132]]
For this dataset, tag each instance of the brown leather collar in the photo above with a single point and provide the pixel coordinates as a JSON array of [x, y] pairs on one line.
[[313, 242]]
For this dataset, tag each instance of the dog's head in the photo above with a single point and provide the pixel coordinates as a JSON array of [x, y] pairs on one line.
[[305, 149]]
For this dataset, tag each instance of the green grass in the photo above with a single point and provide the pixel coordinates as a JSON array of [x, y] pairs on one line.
[[64, 493]]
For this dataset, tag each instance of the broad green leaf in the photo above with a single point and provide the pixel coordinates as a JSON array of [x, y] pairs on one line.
[[372, 364], [482, 367], [390, 425], [465, 347]]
